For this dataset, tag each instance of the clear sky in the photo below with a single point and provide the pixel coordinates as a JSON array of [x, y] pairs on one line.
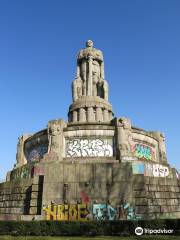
[[39, 41]]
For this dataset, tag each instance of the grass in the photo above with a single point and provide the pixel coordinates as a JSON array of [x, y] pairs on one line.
[[157, 237]]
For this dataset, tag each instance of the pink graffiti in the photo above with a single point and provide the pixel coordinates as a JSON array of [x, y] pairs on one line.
[[85, 198], [38, 171]]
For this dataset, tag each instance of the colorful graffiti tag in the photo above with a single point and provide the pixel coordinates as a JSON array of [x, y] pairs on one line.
[[85, 198], [143, 151], [89, 148], [99, 212], [129, 212], [21, 172], [66, 212], [37, 170], [103, 212], [150, 170], [37, 153]]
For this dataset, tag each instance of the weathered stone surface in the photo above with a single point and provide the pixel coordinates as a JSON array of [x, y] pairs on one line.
[[105, 163]]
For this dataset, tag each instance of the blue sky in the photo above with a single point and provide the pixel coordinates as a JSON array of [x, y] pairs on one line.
[[39, 40]]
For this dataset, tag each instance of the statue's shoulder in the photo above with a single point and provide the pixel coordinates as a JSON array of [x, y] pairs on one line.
[[97, 54], [80, 54]]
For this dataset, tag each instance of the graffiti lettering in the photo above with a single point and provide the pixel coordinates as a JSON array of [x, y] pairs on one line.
[[103, 212], [151, 170], [143, 151], [64, 212], [129, 212], [88, 148], [160, 171]]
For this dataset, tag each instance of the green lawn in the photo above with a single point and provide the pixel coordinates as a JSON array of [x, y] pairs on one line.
[[162, 237]]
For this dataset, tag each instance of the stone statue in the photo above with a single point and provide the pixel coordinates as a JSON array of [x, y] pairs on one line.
[[55, 135], [90, 74], [123, 133], [162, 147]]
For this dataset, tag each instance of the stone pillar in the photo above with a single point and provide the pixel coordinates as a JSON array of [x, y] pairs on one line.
[[56, 138], [75, 116], [110, 116], [105, 115], [90, 115], [82, 115], [99, 116], [20, 157]]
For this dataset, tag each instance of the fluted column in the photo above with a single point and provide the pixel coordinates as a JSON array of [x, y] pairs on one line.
[[82, 115], [75, 116], [90, 115], [105, 115], [99, 116]]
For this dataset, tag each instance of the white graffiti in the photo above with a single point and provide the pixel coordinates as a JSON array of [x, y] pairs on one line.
[[160, 171], [156, 170], [150, 170], [88, 148]]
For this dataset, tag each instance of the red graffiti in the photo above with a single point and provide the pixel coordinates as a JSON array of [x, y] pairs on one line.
[[85, 198], [36, 171]]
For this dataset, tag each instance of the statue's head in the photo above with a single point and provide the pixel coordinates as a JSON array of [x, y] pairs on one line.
[[89, 43]]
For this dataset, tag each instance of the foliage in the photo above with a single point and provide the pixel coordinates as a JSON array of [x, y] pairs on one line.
[[87, 228]]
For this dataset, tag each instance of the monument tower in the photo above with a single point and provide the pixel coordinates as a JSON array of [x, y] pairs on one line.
[[90, 89], [93, 166]]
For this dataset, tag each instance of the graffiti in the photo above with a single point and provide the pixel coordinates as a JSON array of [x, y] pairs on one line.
[[84, 197], [103, 212], [138, 168], [64, 212], [150, 170], [37, 153], [143, 151], [160, 171], [129, 212], [89, 148], [21, 172], [38, 170]]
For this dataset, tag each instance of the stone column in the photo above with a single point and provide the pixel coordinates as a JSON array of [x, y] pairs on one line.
[[90, 115], [110, 116], [82, 115], [99, 116], [105, 115], [75, 116]]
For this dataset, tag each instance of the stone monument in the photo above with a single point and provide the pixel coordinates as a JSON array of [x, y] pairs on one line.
[[95, 166]]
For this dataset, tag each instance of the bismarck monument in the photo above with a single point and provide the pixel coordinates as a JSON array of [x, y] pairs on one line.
[[95, 166]]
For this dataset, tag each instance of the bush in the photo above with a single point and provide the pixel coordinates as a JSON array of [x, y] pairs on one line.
[[89, 228]]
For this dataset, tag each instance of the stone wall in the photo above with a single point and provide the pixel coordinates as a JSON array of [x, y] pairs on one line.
[[20, 197]]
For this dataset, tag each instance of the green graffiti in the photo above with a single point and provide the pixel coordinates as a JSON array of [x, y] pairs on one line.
[[143, 151], [21, 172]]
